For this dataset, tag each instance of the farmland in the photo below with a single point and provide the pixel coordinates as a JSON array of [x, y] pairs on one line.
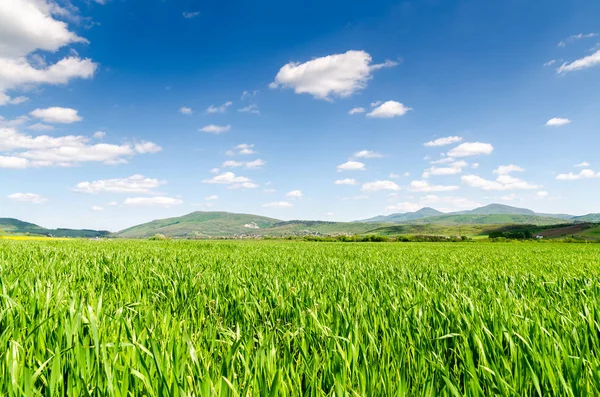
[[283, 318]]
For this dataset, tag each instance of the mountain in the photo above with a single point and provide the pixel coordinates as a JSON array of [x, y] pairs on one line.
[[15, 226], [201, 224], [489, 214], [587, 218], [404, 217], [500, 209]]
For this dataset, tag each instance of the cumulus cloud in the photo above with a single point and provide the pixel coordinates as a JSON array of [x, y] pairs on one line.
[[185, 110], [232, 164], [367, 154], [377, 186], [346, 181], [255, 163], [233, 181], [583, 174], [503, 182], [389, 109], [471, 149], [219, 109], [40, 127], [243, 148], [57, 115], [27, 26], [99, 135], [216, 129], [356, 110], [582, 63], [424, 186], [19, 150], [452, 169], [351, 166], [443, 141], [279, 204], [132, 184], [249, 164], [28, 198], [507, 169], [159, 201], [557, 122], [294, 194], [581, 165], [338, 75]]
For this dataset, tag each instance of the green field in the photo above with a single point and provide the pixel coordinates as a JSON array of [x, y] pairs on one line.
[[286, 318]]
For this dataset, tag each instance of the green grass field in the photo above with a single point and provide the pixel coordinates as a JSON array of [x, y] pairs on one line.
[[183, 318]]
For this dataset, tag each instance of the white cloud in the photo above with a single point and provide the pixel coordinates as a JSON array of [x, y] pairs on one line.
[[376, 103], [367, 154], [576, 37], [57, 115], [99, 135], [557, 122], [219, 109], [28, 198], [550, 63], [252, 109], [333, 75], [404, 207], [393, 176], [232, 164], [453, 169], [113, 204], [471, 149], [243, 148], [389, 109], [13, 162], [255, 163], [582, 63], [346, 181], [215, 129], [190, 14], [40, 127], [159, 201], [424, 186], [475, 165], [356, 110], [581, 165], [507, 169], [132, 184], [14, 101], [377, 186], [443, 160], [233, 181], [294, 193], [583, 174], [185, 110], [453, 203], [215, 170], [213, 197], [542, 194], [443, 141], [97, 208], [351, 166], [64, 151], [279, 204], [503, 182]]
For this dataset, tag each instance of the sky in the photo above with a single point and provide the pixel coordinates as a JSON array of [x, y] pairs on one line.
[[118, 112]]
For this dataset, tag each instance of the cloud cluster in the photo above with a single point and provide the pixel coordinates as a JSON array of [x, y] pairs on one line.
[[583, 174], [132, 184], [28, 198], [443, 141], [471, 149], [503, 182], [18, 150], [233, 181], [241, 149], [351, 166], [338, 75], [27, 26]]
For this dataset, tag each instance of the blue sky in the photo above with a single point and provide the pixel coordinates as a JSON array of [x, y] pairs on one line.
[[118, 112]]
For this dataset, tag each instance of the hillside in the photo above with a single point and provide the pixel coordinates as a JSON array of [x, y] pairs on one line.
[[587, 218], [404, 217], [500, 209], [495, 219], [202, 224], [15, 226]]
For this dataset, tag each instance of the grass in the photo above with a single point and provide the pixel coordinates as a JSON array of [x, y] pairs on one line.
[[184, 318]]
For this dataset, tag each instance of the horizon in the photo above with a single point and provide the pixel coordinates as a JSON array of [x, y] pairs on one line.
[[356, 111], [304, 220]]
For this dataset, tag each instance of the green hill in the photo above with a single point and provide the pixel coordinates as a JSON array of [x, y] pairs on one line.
[[15, 226], [404, 217], [587, 218], [498, 219], [500, 209], [202, 224]]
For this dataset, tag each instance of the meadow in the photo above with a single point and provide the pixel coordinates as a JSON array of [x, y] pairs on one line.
[[183, 318]]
